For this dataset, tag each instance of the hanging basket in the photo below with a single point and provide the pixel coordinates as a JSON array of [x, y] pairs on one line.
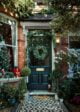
[[40, 52]]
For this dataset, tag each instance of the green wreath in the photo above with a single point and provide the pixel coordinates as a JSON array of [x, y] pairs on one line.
[[40, 52]]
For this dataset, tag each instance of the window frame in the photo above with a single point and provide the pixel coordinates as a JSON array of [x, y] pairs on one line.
[[70, 71], [14, 33]]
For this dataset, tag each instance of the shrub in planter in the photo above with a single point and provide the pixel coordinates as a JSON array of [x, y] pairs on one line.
[[10, 96], [9, 75], [65, 90], [25, 71], [22, 88]]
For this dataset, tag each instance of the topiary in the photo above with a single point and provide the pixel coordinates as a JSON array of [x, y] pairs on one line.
[[25, 71]]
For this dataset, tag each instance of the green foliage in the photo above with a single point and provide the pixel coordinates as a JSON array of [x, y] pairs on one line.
[[40, 52], [22, 88], [9, 90], [25, 71], [69, 58], [49, 10], [70, 88], [10, 95], [9, 75], [1, 74], [4, 58], [38, 37], [67, 17], [65, 89], [22, 7], [73, 57], [43, 33]]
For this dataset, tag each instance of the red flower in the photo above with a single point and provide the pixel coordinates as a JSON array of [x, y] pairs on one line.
[[16, 72]]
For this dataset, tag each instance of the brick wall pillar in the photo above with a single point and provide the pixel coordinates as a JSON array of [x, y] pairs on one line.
[[63, 45], [21, 47]]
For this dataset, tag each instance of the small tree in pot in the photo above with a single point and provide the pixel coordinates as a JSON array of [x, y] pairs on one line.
[[26, 71]]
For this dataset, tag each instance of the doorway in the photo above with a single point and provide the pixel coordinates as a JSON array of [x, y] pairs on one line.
[[39, 58]]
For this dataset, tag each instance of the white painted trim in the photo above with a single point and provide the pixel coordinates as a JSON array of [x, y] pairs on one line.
[[7, 45], [74, 34], [6, 80], [36, 25], [9, 17], [16, 49], [53, 56]]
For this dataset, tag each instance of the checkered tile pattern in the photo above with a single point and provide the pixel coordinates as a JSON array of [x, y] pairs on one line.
[[39, 104]]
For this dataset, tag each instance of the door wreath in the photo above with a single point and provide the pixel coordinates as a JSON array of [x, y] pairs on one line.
[[40, 52]]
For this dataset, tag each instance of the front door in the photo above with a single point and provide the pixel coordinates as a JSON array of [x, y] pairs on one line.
[[39, 57]]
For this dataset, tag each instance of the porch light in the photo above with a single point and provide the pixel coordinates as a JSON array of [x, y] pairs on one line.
[[57, 38]]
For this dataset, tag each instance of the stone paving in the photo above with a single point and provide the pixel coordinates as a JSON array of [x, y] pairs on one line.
[[39, 104]]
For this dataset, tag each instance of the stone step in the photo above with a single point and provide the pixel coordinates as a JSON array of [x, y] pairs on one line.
[[42, 93]]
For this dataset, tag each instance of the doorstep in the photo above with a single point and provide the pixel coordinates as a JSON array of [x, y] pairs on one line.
[[41, 93]]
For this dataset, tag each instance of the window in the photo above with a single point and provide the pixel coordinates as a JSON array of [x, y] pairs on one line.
[[74, 45], [74, 42], [8, 37]]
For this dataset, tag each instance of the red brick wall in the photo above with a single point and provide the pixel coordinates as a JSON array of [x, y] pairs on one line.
[[21, 47]]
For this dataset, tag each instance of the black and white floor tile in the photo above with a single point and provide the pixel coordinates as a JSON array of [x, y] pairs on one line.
[[39, 104]]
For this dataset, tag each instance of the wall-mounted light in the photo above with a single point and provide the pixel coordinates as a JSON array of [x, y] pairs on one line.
[[57, 40]]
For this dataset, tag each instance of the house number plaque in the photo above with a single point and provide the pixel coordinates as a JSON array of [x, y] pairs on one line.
[[40, 69]]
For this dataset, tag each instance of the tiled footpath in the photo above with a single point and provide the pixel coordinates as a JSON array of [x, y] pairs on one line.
[[39, 104]]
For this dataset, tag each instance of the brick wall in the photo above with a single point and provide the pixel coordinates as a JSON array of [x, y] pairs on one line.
[[63, 45], [21, 47]]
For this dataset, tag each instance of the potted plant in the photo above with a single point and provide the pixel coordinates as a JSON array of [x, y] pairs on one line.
[[25, 72]]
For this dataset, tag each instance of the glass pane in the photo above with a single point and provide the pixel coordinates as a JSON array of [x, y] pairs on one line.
[[74, 42], [5, 33]]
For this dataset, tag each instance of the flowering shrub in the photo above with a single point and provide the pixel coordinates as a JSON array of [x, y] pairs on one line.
[[62, 62], [69, 88]]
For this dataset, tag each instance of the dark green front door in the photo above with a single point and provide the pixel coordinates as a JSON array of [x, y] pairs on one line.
[[39, 77], [39, 51]]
